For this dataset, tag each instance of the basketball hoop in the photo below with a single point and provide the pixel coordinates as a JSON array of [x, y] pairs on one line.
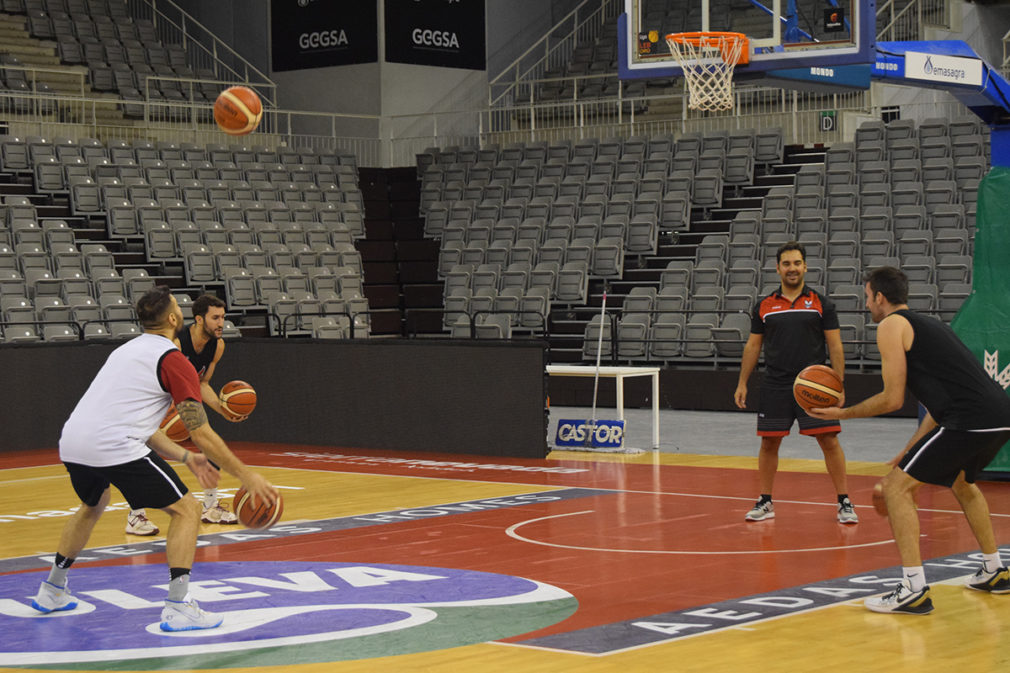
[[708, 60]]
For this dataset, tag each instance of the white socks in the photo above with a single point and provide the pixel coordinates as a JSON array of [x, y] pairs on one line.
[[991, 562], [915, 578]]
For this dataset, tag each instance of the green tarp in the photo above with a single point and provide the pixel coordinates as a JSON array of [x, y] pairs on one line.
[[983, 322]]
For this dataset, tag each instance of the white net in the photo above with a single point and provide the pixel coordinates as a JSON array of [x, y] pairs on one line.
[[708, 62]]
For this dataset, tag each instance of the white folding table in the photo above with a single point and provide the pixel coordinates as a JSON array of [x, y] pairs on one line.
[[619, 373]]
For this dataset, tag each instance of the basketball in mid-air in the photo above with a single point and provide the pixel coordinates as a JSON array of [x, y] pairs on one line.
[[238, 110], [173, 426], [238, 397], [259, 516], [817, 387]]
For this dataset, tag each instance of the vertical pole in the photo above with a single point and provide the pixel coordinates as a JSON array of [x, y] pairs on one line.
[[596, 375]]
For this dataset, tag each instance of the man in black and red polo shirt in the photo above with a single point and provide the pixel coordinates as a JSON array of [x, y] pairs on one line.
[[793, 324]]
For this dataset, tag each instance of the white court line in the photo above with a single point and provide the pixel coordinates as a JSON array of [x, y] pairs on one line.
[[546, 487], [511, 532]]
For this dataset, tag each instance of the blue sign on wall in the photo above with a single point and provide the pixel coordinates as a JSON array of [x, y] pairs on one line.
[[604, 434]]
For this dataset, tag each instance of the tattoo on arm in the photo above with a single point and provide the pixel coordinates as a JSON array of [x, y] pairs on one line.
[[192, 414]]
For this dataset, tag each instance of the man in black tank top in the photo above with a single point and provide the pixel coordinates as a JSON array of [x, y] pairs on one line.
[[966, 424], [203, 346]]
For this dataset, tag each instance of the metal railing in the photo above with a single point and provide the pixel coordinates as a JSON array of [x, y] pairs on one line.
[[204, 50], [798, 113], [87, 116], [905, 19], [34, 74], [551, 51], [190, 86], [1005, 67]]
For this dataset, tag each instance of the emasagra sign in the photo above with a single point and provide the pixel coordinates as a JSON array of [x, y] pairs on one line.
[[275, 614]]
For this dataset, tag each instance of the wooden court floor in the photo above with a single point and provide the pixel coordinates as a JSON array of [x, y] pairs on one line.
[[580, 562]]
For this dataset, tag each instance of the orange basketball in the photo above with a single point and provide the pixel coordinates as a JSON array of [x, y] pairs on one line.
[[259, 516], [173, 426], [879, 502], [816, 387], [238, 110], [238, 397]]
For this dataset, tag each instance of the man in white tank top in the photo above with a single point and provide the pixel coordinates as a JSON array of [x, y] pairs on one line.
[[112, 438]]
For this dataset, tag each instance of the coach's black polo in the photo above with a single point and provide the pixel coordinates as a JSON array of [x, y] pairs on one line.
[[793, 332]]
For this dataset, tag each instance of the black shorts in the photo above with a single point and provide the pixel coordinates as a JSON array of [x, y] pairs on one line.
[[942, 453], [777, 409], [145, 482]]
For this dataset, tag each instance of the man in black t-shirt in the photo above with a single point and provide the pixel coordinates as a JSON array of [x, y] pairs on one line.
[[967, 422], [793, 325], [203, 346]]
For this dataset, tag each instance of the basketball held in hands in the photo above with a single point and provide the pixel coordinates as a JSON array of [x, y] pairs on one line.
[[238, 397], [173, 426], [817, 387], [260, 515]]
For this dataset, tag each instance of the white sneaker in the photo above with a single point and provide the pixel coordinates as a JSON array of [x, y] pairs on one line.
[[761, 511], [902, 601], [218, 514], [139, 524], [52, 598], [186, 615], [846, 512]]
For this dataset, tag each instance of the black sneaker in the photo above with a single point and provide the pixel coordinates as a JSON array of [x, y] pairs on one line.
[[902, 600], [996, 582]]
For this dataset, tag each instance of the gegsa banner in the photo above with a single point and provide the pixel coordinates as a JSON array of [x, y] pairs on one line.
[[445, 33], [321, 33]]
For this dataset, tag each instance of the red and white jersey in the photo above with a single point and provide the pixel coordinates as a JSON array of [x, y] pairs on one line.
[[127, 401]]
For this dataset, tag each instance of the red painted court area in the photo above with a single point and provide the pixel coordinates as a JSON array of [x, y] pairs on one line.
[[637, 540], [647, 539]]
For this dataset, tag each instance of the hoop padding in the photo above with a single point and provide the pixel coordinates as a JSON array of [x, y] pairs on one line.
[[708, 61]]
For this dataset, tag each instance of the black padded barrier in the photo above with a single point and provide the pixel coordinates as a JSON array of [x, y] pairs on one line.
[[433, 396]]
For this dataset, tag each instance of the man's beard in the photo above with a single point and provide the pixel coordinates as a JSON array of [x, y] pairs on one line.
[[790, 282]]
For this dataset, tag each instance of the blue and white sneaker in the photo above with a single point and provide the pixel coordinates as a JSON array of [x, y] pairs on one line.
[[186, 615], [52, 598], [902, 601]]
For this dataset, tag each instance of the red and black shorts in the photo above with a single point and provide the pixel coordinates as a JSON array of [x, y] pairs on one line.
[[942, 454], [145, 482], [777, 409]]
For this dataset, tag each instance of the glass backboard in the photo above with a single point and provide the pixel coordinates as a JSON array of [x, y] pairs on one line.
[[783, 34]]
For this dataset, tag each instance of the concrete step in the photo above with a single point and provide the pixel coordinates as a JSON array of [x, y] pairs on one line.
[[36, 53], [12, 34], [15, 39], [13, 21]]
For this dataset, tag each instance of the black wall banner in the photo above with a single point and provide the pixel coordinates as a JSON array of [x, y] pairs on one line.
[[320, 33], [446, 33]]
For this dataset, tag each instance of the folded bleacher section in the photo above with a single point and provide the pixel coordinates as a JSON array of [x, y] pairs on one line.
[[531, 231], [86, 226]]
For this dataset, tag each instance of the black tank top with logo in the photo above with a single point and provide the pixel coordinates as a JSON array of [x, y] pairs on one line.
[[200, 360], [949, 380]]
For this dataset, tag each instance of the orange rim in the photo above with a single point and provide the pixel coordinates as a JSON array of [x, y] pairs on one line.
[[720, 39]]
